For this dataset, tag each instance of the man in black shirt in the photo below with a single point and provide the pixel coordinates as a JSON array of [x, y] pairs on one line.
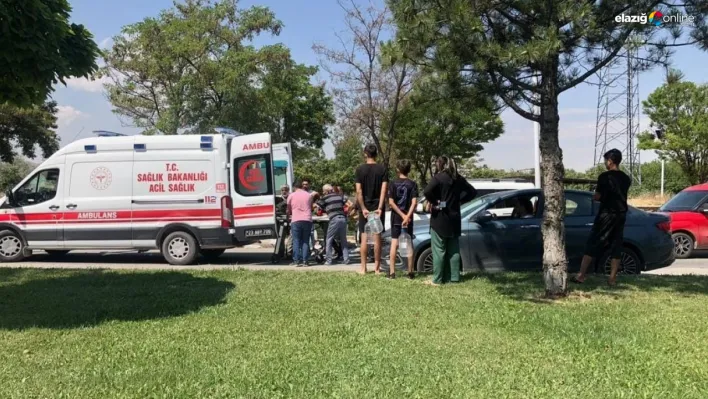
[[371, 183], [608, 229]]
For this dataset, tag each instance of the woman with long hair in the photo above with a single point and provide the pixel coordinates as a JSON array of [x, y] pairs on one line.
[[446, 192]]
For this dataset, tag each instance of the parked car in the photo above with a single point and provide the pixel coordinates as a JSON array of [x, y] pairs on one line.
[[491, 241], [688, 212], [483, 187]]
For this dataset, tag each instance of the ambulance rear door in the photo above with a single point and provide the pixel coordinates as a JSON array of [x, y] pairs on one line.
[[252, 187]]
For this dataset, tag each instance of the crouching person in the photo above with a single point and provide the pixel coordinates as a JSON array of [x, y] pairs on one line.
[[333, 204]]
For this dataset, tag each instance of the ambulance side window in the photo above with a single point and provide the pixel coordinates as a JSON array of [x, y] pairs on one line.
[[40, 188], [253, 176]]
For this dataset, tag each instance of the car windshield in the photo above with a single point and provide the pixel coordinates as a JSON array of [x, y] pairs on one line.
[[477, 204], [684, 201]]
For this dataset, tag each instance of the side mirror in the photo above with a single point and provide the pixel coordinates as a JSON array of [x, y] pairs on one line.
[[704, 211], [484, 217], [10, 198]]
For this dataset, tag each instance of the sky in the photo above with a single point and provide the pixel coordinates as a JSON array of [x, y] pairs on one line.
[[83, 106]]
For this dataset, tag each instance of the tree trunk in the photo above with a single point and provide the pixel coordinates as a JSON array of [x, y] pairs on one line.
[[555, 262]]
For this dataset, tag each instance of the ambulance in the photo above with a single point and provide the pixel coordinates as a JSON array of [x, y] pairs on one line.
[[186, 195]]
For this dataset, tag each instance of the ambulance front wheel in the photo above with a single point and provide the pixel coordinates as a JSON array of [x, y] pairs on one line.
[[180, 248], [11, 247]]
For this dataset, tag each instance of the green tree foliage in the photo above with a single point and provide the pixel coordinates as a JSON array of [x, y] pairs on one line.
[[675, 179], [26, 128], [348, 155], [680, 110], [13, 172], [193, 68], [529, 52], [370, 78], [39, 48], [444, 119]]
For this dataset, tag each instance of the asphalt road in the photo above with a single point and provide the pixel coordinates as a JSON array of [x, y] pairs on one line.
[[252, 259]]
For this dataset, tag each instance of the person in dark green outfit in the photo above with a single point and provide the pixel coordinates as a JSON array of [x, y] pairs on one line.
[[446, 192]]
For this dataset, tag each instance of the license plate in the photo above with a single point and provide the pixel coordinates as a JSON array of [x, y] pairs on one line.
[[259, 233]]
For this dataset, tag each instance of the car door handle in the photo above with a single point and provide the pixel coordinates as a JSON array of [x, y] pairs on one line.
[[71, 206], [589, 224], [530, 226], [54, 207]]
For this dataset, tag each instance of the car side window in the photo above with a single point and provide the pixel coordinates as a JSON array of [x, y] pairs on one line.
[[578, 204], [39, 188], [519, 207]]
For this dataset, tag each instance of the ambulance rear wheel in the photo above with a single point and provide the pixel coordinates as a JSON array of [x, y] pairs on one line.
[[180, 248], [11, 247], [212, 254]]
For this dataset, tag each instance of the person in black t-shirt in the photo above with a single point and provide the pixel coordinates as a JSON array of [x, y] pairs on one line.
[[402, 198], [371, 183], [608, 228], [445, 193]]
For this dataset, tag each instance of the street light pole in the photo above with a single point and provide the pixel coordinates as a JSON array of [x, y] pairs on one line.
[[662, 178], [536, 145]]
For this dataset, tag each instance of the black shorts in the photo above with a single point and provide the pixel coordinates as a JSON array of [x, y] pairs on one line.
[[607, 232], [397, 228], [362, 223]]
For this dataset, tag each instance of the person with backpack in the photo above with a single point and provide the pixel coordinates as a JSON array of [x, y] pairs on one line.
[[446, 192], [402, 198]]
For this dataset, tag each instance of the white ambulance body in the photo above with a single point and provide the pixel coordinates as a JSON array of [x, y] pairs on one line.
[[282, 165], [184, 195]]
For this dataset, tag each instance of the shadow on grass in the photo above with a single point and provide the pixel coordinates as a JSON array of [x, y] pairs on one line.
[[529, 286], [70, 299]]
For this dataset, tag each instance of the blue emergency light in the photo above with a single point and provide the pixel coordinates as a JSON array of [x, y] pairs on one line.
[[106, 133]]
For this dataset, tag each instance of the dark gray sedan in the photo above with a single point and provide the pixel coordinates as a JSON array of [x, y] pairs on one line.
[[502, 232]]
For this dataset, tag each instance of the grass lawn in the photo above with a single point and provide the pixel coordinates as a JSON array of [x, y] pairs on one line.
[[230, 334]]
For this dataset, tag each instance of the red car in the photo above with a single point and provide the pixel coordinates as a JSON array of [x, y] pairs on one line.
[[688, 212]]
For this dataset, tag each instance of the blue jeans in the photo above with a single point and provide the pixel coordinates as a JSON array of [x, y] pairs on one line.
[[301, 232]]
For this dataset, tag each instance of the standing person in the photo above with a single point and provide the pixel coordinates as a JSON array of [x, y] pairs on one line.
[[300, 209], [284, 192], [306, 186], [333, 204], [281, 201], [608, 228], [371, 184], [402, 198], [446, 192]]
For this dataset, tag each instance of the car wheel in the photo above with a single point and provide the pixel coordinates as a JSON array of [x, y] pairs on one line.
[[425, 261], [683, 245], [629, 263], [212, 253], [11, 247], [180, 248], [56, 252]]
